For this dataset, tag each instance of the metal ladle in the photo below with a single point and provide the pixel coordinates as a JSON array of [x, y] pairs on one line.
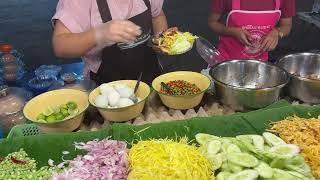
[[133, 97]]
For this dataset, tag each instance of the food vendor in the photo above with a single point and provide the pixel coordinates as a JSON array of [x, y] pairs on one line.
[[110, 35], [253, 28]]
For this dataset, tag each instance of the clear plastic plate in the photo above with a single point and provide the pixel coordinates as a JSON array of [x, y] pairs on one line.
[[207, 51]]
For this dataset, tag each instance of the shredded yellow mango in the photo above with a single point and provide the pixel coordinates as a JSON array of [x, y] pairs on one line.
[[166, 159], [306, 134]]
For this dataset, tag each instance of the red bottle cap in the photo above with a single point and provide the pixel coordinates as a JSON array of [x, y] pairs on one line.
[[6, 48]]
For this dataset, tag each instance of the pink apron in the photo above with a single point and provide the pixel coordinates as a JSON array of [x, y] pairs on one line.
[[257, 23]]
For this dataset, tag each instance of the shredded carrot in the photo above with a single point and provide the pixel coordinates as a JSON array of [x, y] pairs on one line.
[[306, 134], [168, 159]]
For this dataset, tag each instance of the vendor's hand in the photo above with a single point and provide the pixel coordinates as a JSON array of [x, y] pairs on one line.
[[270, 41], [116, 31], [241, 34]]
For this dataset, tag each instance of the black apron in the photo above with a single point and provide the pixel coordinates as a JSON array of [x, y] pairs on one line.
[[120, 64]]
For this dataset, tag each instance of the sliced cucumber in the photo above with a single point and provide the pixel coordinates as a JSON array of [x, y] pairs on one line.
[[225, 146], [232, 148], [244, 175], [203, 150], [283, 175], [246, 138], [223, 175], [278, 163], [225, 166], [258, 142], [234, 167], [298, 175], [266, 147], [272, 139], [264, 170], [304, 170], [285, 151], [245, 145], [216, 161], [243, 159], [214, 147], [204, 139]]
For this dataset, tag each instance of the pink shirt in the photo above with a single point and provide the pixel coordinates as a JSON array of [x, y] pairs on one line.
[[82, 15]]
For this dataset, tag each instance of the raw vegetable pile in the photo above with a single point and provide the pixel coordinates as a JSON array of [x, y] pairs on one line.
[[53, 114], [306, 135], [115, 96], [245, 157], [106, 159], [252, 157], [180, 88], [174, 42], [18, 165], [167, 159]]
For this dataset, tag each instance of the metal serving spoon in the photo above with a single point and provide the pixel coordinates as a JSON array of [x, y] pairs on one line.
[[134, 97]]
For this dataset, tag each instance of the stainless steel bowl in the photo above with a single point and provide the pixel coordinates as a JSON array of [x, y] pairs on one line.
[[301, 66], [248, 84]]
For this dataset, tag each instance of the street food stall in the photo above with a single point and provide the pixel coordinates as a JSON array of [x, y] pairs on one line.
[[239, 119]]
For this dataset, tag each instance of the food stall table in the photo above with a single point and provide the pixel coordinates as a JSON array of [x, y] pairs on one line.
[[254, 122]]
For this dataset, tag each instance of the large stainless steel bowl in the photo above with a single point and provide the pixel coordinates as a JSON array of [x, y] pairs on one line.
[[301, 66], [248, 84]]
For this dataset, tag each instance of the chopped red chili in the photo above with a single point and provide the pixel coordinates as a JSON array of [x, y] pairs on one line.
[[180, 87], [17, 161]]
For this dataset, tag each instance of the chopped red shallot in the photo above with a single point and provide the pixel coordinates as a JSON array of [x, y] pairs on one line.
[[105, 160]]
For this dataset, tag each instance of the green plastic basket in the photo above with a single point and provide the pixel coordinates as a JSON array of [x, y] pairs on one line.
[[24, 130]]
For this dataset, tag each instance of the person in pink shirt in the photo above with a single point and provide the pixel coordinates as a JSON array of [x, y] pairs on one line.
[[110, 35], [252, 28]]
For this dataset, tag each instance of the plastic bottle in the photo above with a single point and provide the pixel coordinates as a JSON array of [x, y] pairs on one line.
[[9, 63]]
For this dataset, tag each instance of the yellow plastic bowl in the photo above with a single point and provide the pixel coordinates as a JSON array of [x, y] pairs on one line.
[[54, 99], [182, 102], [125, 113]]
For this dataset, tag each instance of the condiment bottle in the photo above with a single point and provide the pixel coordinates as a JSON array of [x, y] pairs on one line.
[[9, 63]]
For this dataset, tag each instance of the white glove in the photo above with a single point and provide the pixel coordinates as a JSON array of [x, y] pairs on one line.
[[116, 31]]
